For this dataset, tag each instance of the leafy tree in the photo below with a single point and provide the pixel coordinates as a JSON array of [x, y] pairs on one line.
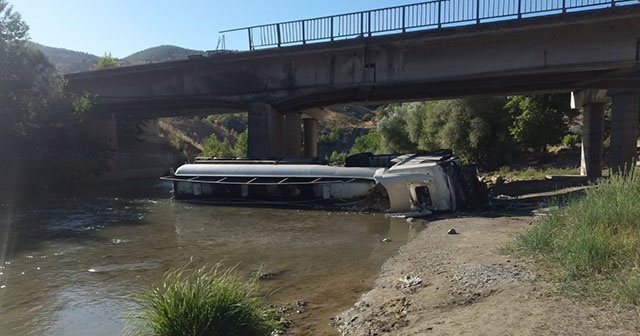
[[12, 29], [106, 62], [215, 148], [393, 131], [44, 136], [539, 120], [240, 148], [332, 136], [476, 129], [367, 143]]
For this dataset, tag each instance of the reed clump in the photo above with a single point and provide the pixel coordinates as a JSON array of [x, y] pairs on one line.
[[593, 244], [204, 301]]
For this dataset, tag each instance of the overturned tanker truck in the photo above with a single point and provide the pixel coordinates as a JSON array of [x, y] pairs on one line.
[[415, 184]]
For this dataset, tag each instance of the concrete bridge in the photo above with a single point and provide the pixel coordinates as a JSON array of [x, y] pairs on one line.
[[486, 48]]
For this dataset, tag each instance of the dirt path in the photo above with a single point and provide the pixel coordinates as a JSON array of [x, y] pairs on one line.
[[460, 284]]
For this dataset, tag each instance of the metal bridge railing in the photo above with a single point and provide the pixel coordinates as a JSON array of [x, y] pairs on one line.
[[425, 15]]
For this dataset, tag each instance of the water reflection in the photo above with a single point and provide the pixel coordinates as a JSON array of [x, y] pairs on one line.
[[69, 266]]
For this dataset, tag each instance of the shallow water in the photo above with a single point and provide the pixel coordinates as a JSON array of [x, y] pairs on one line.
[[68, 266]]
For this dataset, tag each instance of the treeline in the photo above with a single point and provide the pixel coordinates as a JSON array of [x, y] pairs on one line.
[[45, 136], [486, 131]]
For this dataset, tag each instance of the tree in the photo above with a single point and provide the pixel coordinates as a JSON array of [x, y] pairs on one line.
[[44, 136], [106, 62], [539, 120], [393, 131], [215, 148], [369, 143], [476, 129], [12, 28], [242, 144]]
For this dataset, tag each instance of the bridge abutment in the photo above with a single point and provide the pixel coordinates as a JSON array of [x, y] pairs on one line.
[[624, 130]]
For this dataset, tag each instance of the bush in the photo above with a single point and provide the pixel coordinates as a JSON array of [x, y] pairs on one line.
[[570, 139], [201, 302], [336, 159]]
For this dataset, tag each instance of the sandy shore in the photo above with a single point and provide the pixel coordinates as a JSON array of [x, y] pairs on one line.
[[461, 284]]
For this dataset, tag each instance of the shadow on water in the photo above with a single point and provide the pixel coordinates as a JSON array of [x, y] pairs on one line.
[[76, 216]]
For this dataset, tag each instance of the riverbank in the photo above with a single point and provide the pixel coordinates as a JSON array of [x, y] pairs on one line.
[[461, 284]]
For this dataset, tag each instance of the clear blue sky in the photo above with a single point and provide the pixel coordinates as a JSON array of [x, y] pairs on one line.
[[122, 27]]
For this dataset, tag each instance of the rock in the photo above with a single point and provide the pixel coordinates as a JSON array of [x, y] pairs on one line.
[[386, 240], [452, 231]]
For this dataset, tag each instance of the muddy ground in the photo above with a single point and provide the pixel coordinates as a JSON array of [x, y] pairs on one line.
[[462, 284]]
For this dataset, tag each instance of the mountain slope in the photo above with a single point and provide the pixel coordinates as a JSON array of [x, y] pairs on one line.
[[68, 61], [160, 54]]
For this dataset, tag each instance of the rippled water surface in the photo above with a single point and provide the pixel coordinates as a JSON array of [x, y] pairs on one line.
[[68, 266]]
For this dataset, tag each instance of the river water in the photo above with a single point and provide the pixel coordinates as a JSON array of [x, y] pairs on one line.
[[68, 266]]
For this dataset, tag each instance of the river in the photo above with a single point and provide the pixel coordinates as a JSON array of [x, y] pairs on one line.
[[68, 266]]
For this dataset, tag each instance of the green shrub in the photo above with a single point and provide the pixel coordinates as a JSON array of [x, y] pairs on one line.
[[336, 159], [205, 301], [570, 139]]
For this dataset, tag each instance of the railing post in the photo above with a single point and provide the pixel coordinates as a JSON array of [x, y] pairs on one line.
[[404, 29], [477, 11], [369, 23], [519, 9], [362, 24], [564, 6], [304, 38], [439, 13], [278, 33], [332, 28], [250, 39]]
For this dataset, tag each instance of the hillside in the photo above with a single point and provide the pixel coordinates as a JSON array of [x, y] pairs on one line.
[[68, 61], [159, 54]]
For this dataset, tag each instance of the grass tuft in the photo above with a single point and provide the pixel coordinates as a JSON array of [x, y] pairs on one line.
[[205, 301], [594, 241]]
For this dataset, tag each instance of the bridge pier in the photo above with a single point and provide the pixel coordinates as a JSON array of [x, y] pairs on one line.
[[591, 103], [293, 134], [310, 137], [265, 132], [624, 130], [592, 138]]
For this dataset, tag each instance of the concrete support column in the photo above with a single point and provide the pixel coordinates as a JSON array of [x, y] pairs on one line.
[[310, 137], [293, 134], [265, 132], [592, 138], [624, 130]]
